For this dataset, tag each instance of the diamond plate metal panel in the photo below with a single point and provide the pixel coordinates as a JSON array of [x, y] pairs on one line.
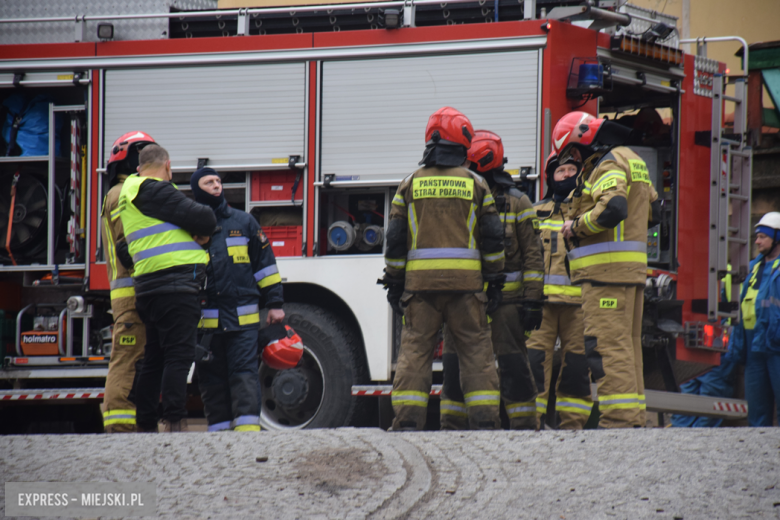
[[63, 32]]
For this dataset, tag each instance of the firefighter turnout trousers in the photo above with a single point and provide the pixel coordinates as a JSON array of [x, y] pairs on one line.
[[464, 314], [228, 383], [128, 341], [573, 402], [613, 347], [517, 388]]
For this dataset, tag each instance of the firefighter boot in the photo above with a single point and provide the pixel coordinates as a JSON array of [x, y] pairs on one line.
[[175, 426], [608, 313], [129, 338]]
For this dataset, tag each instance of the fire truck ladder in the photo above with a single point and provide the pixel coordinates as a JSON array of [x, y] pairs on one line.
[[731, 162]]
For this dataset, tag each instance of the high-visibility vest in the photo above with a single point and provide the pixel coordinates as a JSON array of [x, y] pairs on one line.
[[154, 244]]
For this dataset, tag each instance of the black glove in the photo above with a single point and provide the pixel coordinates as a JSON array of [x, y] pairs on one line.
[[532, 317], [395, 289], [494, 295]]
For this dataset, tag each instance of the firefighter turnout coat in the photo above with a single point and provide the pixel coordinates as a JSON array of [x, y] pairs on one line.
[[239, 254]]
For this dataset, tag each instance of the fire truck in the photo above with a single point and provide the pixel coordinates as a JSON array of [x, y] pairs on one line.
[[314, 114]]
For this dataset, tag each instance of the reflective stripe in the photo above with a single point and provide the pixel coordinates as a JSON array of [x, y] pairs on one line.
[[471, 221], [209, 319], [122, 282], [595, 228], [508, 217], [443, 264], [541, 405], [608, 253], [118, 417], [225, 425], [612, 174], [247, 428], [242, 420], [399, 200], [409, 398], [514, 276], [552, 225], [482, 398], [573, 405], [248, 314], [151, 230], [488, 200], [167, 248], [236, 241], [557, 279], [492, 257], [573, 290], [268, 276], [122, 288], [115, 214], [453, 408], [413, 225], [533, 276], [525, 215], [397, 263], [642, 402], [620, 231], [527, 409], [618, 401], [443, 252]]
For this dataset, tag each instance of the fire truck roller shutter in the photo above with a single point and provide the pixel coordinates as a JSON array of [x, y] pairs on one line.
[[404, 92], [233, 114]]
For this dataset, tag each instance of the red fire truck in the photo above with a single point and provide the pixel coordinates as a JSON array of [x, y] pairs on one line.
[[314, 115]]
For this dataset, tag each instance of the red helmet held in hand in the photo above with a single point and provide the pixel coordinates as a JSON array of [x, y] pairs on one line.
[[449, 126], [284, 349], [486, 152]]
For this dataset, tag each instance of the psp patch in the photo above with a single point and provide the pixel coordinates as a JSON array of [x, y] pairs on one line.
[[127, 340], [443, 188], [608, 303]]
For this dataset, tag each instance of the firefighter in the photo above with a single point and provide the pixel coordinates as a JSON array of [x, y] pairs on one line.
[[165, 232], [607, 225], [241, 273], [562, 310], [755, 340], [129, 335], [520, 311], [444, 241]]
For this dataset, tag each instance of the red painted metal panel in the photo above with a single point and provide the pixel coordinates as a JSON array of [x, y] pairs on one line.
[[694, 210], [48, 50], [98, 279], [205, 45], [428, 34], [311, 154]]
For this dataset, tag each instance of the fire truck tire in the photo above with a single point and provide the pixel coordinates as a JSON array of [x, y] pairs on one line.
[[318, 392]]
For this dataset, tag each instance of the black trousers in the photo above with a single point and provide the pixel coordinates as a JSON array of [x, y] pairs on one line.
[[171, 322]]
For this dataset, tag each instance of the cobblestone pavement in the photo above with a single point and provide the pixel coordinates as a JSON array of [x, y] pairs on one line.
[[368, 473]]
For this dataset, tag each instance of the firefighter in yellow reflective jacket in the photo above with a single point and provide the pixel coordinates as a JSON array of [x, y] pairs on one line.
[[607, 222], [520, 311], [444, 241], [129, 335], [562, 310]]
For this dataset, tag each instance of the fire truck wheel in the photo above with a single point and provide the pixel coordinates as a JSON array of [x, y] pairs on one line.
[[318, 392]]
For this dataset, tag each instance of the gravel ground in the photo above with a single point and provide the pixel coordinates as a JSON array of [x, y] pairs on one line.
[[367, 473]]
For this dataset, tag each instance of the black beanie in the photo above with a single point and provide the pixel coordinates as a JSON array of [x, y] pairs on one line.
[[200, 195]]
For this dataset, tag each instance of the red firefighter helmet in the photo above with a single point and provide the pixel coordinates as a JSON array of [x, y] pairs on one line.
[[487, 151], [124, 154], [575, 127], [449, 126], [282, 352]]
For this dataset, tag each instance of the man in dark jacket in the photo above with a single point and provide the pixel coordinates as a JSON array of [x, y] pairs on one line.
[[164, 232], [242, 272]]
